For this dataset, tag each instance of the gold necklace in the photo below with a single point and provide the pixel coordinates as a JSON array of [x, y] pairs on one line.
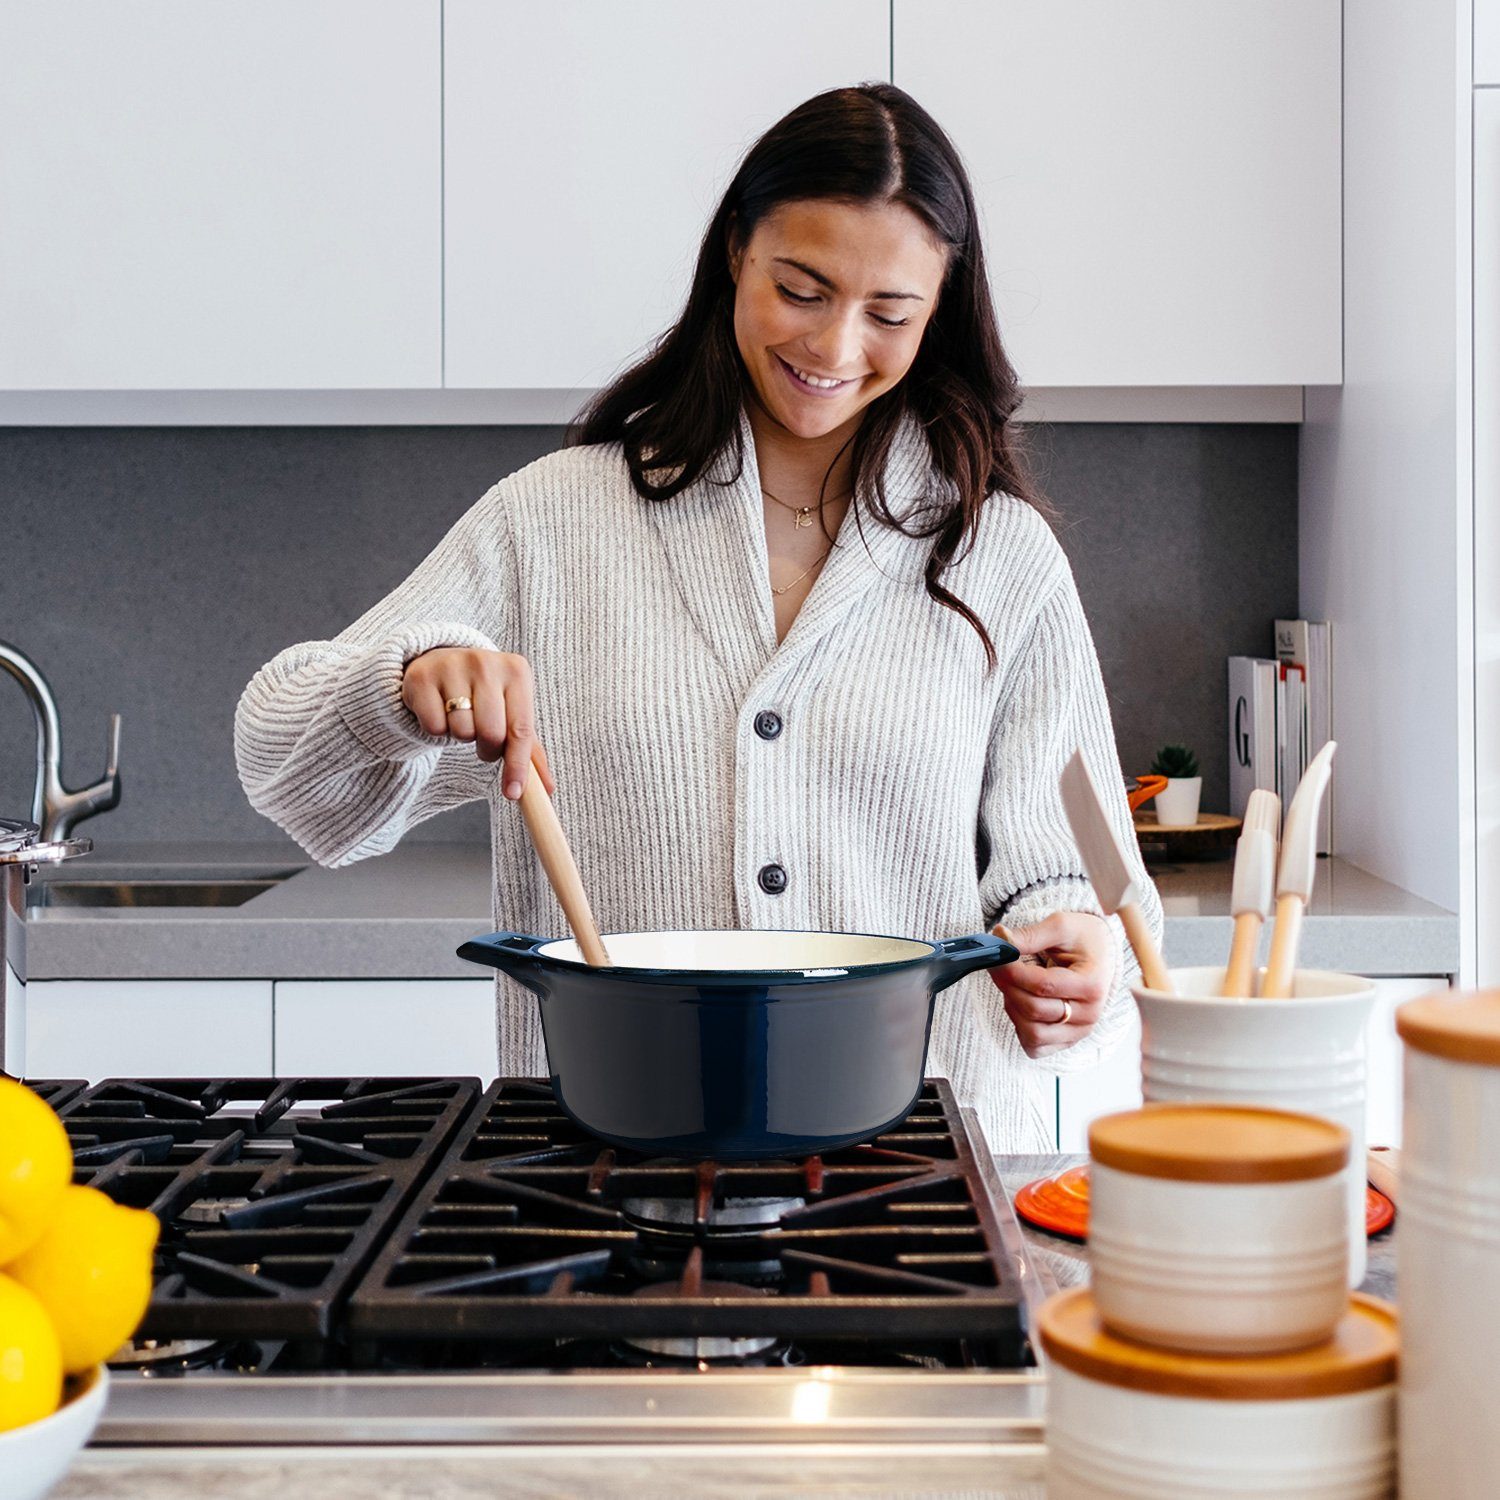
[[817, 563], [804, 512]]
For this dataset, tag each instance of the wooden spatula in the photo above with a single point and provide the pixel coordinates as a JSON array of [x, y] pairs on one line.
[[1254, 886], [1294, 874], [562, 870], [1107, 868]]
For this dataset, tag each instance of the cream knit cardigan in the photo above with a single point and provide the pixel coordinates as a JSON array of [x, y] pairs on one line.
[[911, 791]]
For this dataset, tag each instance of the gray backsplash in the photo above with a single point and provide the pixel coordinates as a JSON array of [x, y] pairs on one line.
[[151, 571]]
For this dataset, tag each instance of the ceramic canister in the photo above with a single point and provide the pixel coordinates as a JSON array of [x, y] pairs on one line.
[[1219, 1228], [1305, 1054], [1129, 1422], [1448, 1246]]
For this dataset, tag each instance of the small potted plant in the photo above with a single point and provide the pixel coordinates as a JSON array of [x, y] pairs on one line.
[[1177, 804]]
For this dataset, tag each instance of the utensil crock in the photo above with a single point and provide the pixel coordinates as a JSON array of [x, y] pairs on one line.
[[1305, 1053]]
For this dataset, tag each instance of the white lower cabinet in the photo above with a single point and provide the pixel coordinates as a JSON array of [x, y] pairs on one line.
[[385, 1027], [148, 1028], [1116, 1083]]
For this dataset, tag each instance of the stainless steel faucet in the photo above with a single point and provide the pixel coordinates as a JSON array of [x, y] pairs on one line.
[[53, 808]]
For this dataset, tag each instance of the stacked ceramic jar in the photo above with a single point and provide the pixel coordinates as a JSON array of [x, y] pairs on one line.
[[1218, 1351], [1448, 1247]]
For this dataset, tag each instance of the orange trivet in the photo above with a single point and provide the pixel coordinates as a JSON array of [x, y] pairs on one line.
[[1060, 1205]]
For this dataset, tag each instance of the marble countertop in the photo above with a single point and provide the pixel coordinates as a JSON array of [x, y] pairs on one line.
[[402, 915]]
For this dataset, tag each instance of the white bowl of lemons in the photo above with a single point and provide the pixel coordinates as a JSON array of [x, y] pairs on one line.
[[75, 1280], [34, 1457]]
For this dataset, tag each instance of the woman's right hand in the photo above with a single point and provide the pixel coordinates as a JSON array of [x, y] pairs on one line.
[[503, 719]]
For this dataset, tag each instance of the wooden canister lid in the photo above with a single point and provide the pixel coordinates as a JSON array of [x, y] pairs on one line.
[[1464, 1026], [1361, 1356], [1219, 1143]]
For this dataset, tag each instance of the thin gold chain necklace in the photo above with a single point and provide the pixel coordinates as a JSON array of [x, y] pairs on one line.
[[817, 563], [804, 513]]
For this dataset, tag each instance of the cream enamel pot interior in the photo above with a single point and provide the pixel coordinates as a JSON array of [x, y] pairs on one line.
[[737, 1045]]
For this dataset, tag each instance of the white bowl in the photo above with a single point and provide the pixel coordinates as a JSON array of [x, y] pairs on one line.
[[34, 1457]]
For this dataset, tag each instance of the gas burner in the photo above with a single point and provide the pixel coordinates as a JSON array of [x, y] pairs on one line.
[[733, 1216], [168, 1357], [694, 1349], [210, 1210]]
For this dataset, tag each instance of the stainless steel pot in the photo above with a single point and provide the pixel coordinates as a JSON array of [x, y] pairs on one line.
[[20, 854]]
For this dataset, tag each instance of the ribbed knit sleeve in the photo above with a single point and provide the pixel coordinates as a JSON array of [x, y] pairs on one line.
[[1055, 703], [324, 745]]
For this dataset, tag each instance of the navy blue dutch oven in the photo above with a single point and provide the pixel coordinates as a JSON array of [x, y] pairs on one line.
[[737, 1045]]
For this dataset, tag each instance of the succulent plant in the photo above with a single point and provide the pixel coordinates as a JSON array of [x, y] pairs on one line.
[[1176, 762]]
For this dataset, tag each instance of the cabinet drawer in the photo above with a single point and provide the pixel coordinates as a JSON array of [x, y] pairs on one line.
[[148, 1028], [384, 1027]]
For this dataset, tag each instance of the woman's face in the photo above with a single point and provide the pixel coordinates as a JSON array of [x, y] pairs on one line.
[[836, 291]]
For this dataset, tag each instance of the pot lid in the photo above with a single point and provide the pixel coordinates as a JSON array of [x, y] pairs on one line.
[[1361, 1356], [1227, 1143], [1463, 1027]]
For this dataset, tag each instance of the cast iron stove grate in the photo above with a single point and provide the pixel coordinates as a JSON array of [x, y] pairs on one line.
[[56, 1091], [273, 1193], [530, 1228]]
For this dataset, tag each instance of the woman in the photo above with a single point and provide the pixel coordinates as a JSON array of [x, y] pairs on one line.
[[803, 650]]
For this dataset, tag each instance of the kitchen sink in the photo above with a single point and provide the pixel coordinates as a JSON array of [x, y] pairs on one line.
[[221, 891]]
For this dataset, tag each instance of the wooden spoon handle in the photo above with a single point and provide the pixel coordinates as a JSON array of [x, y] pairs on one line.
[[557, 860], [1153, 970], [1277, 984], [1239, 975]]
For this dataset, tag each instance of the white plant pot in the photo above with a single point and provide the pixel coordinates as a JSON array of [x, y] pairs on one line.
[[1177, 804]]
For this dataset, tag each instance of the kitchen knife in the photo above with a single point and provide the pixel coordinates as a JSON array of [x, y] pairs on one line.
[[1108, 870], [1254, 886], [1294, 875]]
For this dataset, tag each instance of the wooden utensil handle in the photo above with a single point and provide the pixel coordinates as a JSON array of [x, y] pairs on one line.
[[1153, 970], [1277, 985], [557, 860], [1237, 977]]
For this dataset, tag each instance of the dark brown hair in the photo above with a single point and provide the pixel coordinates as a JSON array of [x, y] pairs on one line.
[[679, 407]]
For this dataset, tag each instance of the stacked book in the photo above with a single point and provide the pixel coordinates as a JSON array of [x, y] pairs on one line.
[[1281, 715]]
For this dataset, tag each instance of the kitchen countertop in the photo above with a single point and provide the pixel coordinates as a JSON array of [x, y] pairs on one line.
[[402, 915], [612, 1472]]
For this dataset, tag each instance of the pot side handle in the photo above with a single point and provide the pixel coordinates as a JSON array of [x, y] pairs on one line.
[[513, 953], [963, 955]]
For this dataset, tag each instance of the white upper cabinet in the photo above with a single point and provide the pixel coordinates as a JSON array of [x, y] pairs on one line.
[[588, 143], [220, 197], [1486, 41], [1159, 180]]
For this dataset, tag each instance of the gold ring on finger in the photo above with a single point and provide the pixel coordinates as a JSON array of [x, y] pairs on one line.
[[457, 705], [1067, 1014]]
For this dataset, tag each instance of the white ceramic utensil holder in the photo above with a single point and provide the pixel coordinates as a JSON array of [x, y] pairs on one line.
[[1143, 1424], [1448, 1250], [1305, 1053]]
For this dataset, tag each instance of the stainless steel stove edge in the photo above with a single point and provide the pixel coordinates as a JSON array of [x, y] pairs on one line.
[[828, 1404]]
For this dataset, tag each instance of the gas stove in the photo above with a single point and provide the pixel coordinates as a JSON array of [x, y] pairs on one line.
[[417, 1260]]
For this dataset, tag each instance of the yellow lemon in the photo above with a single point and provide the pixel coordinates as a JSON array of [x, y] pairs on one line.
[[36, 1164], [91, 1270], [30, 1364]]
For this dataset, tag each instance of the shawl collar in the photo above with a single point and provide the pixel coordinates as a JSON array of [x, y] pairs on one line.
[[714, 537]]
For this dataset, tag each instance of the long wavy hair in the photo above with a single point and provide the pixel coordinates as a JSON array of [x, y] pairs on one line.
[[678, 408]]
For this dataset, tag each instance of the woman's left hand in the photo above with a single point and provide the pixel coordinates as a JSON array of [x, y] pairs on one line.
[[1056, 989]]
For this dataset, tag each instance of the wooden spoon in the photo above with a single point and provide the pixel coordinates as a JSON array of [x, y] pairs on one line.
[[557, 860]]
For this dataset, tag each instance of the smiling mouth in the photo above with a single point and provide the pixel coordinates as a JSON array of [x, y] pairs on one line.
[[813, 382]]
